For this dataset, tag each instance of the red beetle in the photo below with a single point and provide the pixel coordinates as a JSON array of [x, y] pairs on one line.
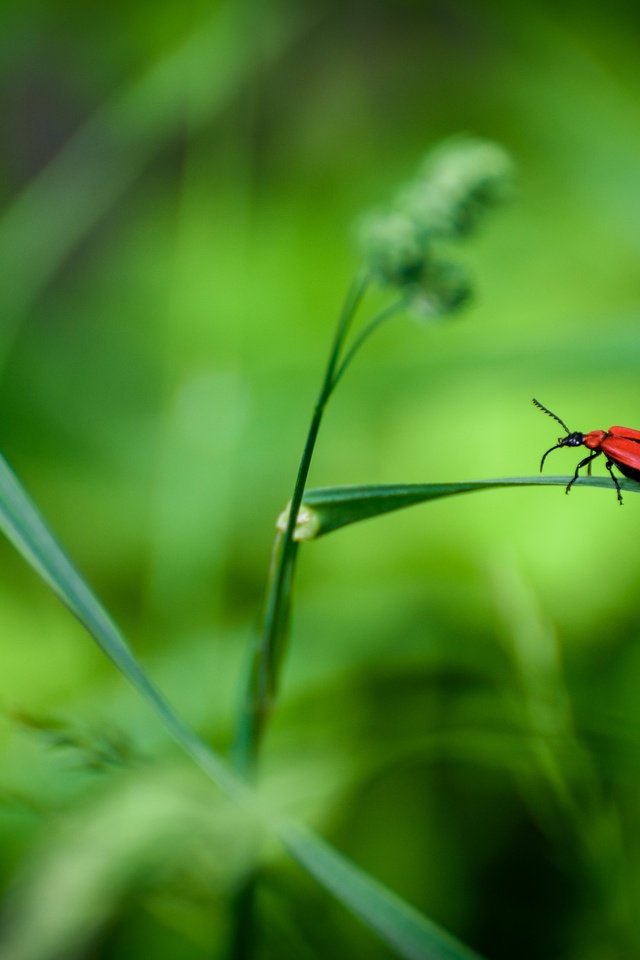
[[621, 445]]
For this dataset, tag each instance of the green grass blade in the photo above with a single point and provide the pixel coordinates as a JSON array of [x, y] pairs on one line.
[[402, 927], [26, 529], [330, 508], [409, 933]]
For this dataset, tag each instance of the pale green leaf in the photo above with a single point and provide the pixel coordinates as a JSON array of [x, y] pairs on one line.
[[329, 508]]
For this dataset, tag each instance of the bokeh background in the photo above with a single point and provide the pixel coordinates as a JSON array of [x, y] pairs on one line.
[[460, 709]]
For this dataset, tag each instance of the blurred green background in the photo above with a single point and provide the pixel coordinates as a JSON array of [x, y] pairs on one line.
[[460, 709]]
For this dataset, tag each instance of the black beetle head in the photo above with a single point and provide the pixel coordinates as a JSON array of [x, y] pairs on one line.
[[575, 439]]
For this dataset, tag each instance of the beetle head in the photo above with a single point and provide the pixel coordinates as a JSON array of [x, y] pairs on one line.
[[575, 439]]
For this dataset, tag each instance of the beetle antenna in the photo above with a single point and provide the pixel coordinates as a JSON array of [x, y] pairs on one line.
[[557, 447], [555, 417]]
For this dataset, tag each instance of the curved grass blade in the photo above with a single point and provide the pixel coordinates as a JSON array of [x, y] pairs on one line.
[[402, 927], [329, 508], [25, 528], [410, 934]]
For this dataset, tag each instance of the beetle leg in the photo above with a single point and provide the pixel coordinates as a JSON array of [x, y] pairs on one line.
[[615, 481], [584, 463]]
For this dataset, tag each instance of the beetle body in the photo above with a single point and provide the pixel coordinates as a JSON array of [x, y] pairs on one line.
[[620, 445]]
